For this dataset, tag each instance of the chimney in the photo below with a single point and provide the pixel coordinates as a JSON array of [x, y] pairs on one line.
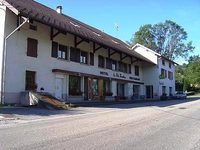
[[59, 9]]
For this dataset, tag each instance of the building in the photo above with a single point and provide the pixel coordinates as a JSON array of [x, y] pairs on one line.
[[159, 78], [44, 50]]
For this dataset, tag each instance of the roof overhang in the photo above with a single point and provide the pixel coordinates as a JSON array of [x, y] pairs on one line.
[[10, 7]]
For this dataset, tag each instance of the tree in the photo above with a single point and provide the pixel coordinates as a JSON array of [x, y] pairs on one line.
[[188, 75], [193, 71], [168, 39]]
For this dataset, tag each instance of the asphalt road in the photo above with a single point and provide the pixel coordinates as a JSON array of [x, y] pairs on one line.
[[151, 126]]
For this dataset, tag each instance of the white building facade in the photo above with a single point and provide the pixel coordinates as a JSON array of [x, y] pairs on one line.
[[72, 61], [159, 78]]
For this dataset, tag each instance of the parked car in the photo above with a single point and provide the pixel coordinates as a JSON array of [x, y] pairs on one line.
[[180, 95]]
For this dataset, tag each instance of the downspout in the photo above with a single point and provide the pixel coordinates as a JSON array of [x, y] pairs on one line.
[[4, 59]]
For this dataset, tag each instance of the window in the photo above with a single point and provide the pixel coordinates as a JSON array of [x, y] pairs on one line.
[[163, 73], [163, 90], [62, 52], [114, 65], [120, 89], [59, 51], [170, 91], [54, 50], [30, 80], [170, 65], [122, 67], [95, 87], [101, 61], [92, 59], [75, 54], [75, 86], [129, 68], [137, 70], [108, 63], [32, 26], [107, 88], [84, 57], [32, 47], [170, 75], [163, 62]]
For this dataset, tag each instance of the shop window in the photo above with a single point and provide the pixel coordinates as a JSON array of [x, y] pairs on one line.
[[120, 89], [30, 81], [95, 87], [101, 61], [75, 86], [32, 47], [137, 70], [84, 57], [107, 88]]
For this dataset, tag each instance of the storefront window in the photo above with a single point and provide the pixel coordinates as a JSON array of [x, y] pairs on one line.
[[75, 86], [107, 88], [95, 87]]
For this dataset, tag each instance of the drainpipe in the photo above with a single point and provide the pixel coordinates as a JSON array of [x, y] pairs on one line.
[[4, 59]]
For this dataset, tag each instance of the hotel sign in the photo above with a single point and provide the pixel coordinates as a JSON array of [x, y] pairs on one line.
[[119, 75]]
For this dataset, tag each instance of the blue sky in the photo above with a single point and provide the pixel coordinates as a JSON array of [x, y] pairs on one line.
[[129, 15]]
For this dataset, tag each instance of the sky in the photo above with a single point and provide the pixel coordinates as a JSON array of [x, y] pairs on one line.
[[129, 15]]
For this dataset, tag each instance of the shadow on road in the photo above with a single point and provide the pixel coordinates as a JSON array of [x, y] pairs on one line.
[[28, 111]]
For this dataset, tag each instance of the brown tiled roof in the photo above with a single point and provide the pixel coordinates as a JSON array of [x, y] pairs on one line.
[[48, 16]]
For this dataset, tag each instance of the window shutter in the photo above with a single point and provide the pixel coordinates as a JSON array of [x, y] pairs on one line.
[[72, 54], [54, 51], [32, 46], [92, 59], [78, 55], [66, 53]]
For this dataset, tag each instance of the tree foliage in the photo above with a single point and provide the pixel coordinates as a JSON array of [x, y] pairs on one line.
[[188, 75], [168, 39]]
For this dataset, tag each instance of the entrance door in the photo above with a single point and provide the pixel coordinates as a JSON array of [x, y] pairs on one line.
[[59, 88], [136, 91], [86, 86], [120, 89], [149, 91], [90, 95]]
